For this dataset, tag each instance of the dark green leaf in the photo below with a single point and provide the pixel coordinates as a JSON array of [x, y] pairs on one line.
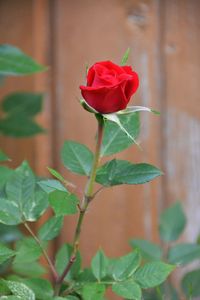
[[172, 223], [115, 140], [41, 287], [3, 156], [99, 265], [14, 62], [26, 104], [5, 253], [128, 289], [148, 250], [125, 266], [63, 203], [93, 291], [19, 126], [63, 257], [190, 283], [51, 228], [117, 172], [9, 234], [34, 269], [182, 254], [77, 157], [152, 274]]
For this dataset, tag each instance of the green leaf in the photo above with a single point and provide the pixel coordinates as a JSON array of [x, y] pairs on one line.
[[134, 109], [14, 62], [125, 266], [77, 157], [172, 223], [148, 250], [21, 290], [51, 228], [51, 185], [9, 212], [11, 298], [63, 257], [99, 265], [128, 289], [190, 284], [5, 253], [182, 254], [34, 269], [22, 104], [9, 234], [3, 157], [114, 139], [19, 126], [93, 291], [153, 274], [27, 251], [5, 174], [41, 287], [125, 57], [63, 203], [117, 172], [57, 175]]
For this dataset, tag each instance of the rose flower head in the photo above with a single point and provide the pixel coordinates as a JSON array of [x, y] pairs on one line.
[[109, 87]]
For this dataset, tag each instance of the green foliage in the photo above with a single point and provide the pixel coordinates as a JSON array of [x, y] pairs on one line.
[[14, 62], [182, 254], [3, 156], [153, 274], [117, 172], [27, 251], [20, 290], [125, 57], [77, 157], [148, 250], [99, 265], [114, 139], [63, 203], [50, 185], [9, 234], [128, 289], [62, 258], [93, 291], [172, 223], [51, 228], [190, 283], [41, 288], [5, 253], [5, 174]]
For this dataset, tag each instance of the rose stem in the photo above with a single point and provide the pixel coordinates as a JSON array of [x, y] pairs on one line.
[[85, 202], [51, 266]]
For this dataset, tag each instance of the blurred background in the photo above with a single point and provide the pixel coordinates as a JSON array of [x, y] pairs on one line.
[[164, 37]]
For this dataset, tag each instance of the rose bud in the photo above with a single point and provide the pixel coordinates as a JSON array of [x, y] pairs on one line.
[[109, 87]]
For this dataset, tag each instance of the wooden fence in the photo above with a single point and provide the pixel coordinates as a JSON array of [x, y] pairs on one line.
[[164, 38]]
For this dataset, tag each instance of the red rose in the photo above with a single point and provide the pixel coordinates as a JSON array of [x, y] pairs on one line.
[[109, 87]]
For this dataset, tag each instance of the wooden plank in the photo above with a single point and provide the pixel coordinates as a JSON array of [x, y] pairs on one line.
[[85, 32]]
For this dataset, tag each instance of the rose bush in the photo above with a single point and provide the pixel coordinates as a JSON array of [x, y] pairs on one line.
[[109, 87]]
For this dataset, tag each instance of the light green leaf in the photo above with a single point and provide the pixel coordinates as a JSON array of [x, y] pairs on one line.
[[27, 251], [41, 287], [172, 223], [63, 257], [11, 298], [34, 269], [51, 185], [93, 291], [27, 104], [182, 254], [133, 109], [99, 265], [51, 228], [9, 212], [128, 289], [3, 157], [114, 139], [153, 274], [125, 266], [77, 157], [5, 174], [117, 172], [63, 203], [125, 57], [57, 175], [147, 249], [14, 62], [21, 290], [5, 253], [190, 284]]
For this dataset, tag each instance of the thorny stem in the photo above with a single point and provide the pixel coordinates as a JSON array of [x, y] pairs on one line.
[[88, 195], [53, 270]]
